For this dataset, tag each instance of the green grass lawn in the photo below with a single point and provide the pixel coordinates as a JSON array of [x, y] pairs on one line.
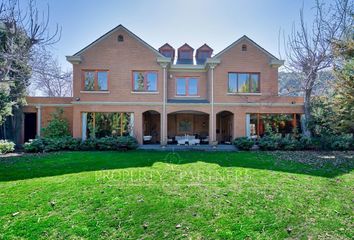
[[183, 195]]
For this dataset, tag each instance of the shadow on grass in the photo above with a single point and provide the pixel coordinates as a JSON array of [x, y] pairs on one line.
[[54, 164]]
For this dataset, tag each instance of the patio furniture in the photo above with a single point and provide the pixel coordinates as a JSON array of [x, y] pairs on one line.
[[205, 140], [187, 139], [147, 139], [181, 140], [194, 141]]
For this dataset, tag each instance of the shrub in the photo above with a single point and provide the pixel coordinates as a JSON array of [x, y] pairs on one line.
[[243, 143], [88, 144], [288, 143], [70, 143], [34, 145], [6, 146], [74, 144], [271, 141], [305, 143], [342, 142], [107, 143], [52, 144], [128, 142], [116, 143], [268, 143], [58, 126]]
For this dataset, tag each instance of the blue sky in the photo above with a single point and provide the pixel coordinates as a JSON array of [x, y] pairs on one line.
[[215, 22]]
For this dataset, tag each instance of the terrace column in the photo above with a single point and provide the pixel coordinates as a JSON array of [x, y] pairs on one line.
[[84, 126], [212, 117], [164, 100], [248, 125], [131, 125], [39, 120]]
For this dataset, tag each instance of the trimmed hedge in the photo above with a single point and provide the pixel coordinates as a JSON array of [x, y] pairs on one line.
[[243, 143], [75, 144], [290, 142], [6, 146]]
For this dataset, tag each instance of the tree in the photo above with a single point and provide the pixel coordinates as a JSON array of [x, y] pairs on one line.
[[20, 33], [343, 100], [309, 50], [290, 84], [58, 126], [48, 78], [5, 105]]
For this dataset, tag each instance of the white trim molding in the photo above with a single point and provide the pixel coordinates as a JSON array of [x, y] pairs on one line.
[[151, 93], [186, 97], [96, 92], [243, 94], [260, 104], [118, 103], [50, 105]]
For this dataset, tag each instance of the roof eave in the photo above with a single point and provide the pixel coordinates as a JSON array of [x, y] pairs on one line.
[[276, 63], [74, 59]]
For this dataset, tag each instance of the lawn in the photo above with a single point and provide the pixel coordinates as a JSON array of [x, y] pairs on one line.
[[182, 195]]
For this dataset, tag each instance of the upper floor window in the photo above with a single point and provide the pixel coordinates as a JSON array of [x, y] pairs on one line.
[[95, 80], [167, 53], [185, 55], [203, 54], [145, 81], [244, 47], [244, 83], [187, 86]]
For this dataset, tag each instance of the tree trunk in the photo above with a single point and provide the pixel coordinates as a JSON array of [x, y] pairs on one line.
[[307, 109], [15, 123]]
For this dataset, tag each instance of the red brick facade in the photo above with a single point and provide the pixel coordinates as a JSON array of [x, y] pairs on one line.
[[121, 58]]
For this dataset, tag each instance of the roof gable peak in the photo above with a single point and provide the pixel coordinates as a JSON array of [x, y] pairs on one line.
[[109, 33], [244, 37], [185, 46]]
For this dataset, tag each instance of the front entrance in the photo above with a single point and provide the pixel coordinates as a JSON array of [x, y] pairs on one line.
[[30, 123]]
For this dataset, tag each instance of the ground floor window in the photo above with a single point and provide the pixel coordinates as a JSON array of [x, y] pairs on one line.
[[101, 124], [281, 123]]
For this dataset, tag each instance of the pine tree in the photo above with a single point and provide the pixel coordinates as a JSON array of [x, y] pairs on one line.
[[343, 101]]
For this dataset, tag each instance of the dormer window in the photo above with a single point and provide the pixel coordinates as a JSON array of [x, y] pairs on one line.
[[203, 53], [244, 47], [185, 54], [167, 51]]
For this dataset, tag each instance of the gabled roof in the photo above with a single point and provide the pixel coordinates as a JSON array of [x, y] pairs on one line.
[[166, 46], [185, 46], [244, 37], [203, 47], [110, 33]]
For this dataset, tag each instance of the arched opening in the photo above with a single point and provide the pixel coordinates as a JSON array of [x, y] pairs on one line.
[[224, 127], [188, 128], [151, 127]]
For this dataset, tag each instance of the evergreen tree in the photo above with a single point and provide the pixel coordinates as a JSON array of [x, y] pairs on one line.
[[343, 101]]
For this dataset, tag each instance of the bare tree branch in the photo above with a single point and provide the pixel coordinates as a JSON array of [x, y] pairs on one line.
[[309, 51]]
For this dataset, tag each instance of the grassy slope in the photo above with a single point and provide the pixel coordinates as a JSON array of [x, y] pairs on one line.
[[211, 195]]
